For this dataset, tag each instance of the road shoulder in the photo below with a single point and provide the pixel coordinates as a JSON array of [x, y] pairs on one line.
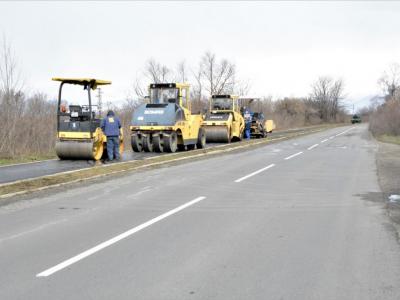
[[388, 164]]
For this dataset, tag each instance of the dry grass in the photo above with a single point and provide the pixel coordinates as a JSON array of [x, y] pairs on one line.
[[389, 139], [25, 159], [386, 119]]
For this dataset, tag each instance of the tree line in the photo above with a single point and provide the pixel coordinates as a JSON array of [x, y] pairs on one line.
[[384, 115]]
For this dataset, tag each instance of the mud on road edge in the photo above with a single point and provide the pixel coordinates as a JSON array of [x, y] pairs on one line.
[[9, 192]]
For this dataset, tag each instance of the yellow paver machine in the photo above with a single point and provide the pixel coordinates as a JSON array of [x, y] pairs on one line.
[[224, 122], [79, 135], [166, 123]]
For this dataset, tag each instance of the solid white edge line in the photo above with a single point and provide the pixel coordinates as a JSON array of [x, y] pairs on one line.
[[312, 147], [254, 173], [116, 239], [345, 131], [28, 163], [294, 155], [323, 141]]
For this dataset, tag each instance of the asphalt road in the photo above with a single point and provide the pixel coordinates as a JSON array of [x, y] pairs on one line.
[[22, 171], [298, 219]]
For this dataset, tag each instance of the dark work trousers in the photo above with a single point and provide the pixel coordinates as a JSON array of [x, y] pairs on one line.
[[247, 130], [113, 147]]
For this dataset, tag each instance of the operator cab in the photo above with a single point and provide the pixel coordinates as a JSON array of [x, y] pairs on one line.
[[78, 118], [221, 102], [80, 113], [163, 93]]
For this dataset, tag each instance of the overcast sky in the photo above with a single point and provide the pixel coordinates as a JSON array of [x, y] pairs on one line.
[[281, 47]]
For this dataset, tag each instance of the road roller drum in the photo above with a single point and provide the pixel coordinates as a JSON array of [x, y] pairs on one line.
[[217, 134], [79, 150]]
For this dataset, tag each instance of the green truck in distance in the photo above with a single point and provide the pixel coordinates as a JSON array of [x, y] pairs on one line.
[[355, 119]]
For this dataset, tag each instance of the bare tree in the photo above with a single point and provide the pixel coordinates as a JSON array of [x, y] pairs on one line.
[[336, 95], [139, 89], [156, 72], [326, 96], [10, 76], [218, 76], [390, 82], [28, 123], [182, 71], [199, 102], [242, 87], [11, 98]]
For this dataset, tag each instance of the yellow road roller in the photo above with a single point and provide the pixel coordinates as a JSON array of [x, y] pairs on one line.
[[166, 122], [79, 135], [224, 122]]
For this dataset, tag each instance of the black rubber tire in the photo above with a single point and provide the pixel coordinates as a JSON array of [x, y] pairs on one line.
[[147, 143], [181, 147], [201, 139], [136, 143], [157, 144], [191, 147], [241, 137], [170, 142], [264, 134]]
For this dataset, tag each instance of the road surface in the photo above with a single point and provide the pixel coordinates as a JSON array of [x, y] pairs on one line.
[[11, 173], [299, 219]]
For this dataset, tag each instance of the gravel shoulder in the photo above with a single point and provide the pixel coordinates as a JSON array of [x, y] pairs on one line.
[[388, 164]]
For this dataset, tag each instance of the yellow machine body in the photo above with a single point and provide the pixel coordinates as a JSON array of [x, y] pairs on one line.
[[270, 125], [79, 135], [224, 122], [167, 124]]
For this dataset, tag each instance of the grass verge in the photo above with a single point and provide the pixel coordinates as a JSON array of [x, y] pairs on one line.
[[25, 159], [393, 139]]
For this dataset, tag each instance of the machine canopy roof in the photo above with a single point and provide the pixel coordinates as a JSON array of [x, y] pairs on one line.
[[93, 83]]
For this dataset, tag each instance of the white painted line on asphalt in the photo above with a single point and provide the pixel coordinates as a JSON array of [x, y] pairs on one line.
[[345, 131], [116, 239], [325, 140], [331, 137], [28, 163], [255, 173], [313, 146], [294, 155]]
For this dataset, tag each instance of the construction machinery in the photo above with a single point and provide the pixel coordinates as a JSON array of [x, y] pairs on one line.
[[224, 122], [355, 119], [260, 126], [79, 135], [166, 122]]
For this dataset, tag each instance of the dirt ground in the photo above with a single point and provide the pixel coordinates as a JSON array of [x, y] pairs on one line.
[[388, 163]]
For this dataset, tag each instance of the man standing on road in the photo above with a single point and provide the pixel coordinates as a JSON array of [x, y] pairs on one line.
[[247, 115], [111, 126]]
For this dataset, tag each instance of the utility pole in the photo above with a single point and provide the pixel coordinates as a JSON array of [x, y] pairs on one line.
[[99, 101]]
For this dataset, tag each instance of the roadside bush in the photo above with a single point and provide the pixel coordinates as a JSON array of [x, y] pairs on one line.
[[386, 119], [28, 125]]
